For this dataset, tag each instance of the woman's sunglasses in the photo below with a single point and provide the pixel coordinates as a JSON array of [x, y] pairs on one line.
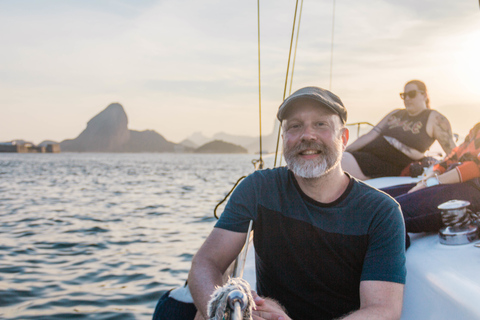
[[411, 94]]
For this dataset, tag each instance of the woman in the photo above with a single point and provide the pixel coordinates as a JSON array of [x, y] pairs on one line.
[[457, 177], [399, 138]]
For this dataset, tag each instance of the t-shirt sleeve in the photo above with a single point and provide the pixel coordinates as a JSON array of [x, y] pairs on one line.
[[385, 257], [240, 208]]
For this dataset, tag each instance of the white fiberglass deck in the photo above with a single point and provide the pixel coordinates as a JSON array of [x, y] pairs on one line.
[[443, 282]]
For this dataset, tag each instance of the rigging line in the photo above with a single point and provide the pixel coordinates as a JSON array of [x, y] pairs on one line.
[[331, 49], [258, 164], [259, 87], [226, 197], [286, 78], [294, 57], [296, 45]]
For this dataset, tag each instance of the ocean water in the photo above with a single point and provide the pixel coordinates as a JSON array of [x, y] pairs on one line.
[[103, 236]]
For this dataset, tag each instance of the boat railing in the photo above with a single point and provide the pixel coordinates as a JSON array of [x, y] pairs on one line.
[[359, 125]]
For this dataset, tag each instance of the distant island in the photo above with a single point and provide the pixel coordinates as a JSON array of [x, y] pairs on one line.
[[219, 146], [108, 132]]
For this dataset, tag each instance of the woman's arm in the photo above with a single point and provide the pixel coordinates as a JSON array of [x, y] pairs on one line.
[[448, 177], [371, 135], [441, 131], [412, 153], [363, 140]]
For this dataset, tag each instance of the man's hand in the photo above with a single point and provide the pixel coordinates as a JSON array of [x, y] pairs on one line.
[[268, 309]]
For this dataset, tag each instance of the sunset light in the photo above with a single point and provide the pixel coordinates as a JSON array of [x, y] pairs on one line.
[[467, 59]]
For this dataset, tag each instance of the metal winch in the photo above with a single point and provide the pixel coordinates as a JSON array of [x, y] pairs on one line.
[[461, 224]]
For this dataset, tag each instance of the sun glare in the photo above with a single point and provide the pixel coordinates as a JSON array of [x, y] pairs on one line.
[[468, 62]]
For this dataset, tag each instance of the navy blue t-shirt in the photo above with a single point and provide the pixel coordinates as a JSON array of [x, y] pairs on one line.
[[311, 256]]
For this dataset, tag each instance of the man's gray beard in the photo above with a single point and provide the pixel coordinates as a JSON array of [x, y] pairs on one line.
[[315, 168]]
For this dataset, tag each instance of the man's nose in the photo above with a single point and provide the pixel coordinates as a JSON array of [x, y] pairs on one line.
[[309, 133]]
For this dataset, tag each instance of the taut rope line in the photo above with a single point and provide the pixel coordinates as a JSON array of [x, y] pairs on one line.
[[260, 161], [331, 49], [294, 57], [296, 45], [286, 79]]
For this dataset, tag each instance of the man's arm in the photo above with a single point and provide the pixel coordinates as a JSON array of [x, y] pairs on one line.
[[209, 264], [379, 300]]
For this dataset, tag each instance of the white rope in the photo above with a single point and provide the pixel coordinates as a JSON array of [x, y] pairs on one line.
[[218, 308]]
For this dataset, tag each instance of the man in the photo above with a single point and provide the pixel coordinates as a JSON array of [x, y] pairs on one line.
[[327, 245]]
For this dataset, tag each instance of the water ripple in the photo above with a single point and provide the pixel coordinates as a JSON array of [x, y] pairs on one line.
[[102, 236]]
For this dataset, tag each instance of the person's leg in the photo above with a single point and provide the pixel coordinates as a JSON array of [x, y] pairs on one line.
[[398, 190], [420, 208], [170, 309], [350, 165]]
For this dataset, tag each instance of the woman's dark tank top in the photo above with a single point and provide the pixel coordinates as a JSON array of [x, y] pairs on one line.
[[410, 130]]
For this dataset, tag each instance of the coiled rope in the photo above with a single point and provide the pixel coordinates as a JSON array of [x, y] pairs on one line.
[[220, 305], [451, 218]]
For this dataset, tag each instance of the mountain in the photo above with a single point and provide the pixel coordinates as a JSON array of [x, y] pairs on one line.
[[147, 141], [240, 140], [252, 144], [188, 143], [198, 138], [108, 132], [269, 142], [219, 146]]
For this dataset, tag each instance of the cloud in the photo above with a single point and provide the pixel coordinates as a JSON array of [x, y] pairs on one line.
[[203, 54]]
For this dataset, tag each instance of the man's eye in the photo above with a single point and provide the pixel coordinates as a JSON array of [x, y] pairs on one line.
[[294, 126]]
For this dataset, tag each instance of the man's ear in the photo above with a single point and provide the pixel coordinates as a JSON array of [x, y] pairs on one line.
[[345, 136]]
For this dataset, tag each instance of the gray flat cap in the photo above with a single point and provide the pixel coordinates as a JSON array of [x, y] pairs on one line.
[[323, 96]]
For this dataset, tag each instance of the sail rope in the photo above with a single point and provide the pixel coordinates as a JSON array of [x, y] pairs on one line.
[[286, 76], [226, 197], [331, 48], [296, 45], [294, 58], [258, 164]]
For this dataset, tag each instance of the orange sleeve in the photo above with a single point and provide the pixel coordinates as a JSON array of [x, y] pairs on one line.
[[468, 170], [439, 168]]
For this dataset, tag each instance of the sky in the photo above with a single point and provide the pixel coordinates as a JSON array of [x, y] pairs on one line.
[[186, 66]]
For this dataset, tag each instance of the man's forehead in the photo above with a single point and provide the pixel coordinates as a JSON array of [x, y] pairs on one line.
[[305, 105]]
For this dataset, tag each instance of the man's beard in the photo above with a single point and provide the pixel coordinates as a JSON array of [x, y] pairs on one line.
[[314, 168]]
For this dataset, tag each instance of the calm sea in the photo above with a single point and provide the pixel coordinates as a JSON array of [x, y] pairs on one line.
[[102, 236]]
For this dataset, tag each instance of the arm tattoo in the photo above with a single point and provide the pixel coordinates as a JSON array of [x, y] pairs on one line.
[[409, 152], [443, 133], [377, 129]]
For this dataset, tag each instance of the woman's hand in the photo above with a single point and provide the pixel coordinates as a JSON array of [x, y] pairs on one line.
[[268, 309], [420, 185]]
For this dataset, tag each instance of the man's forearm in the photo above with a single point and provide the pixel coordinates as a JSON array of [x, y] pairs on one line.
[[202, 281], [372, 313]]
